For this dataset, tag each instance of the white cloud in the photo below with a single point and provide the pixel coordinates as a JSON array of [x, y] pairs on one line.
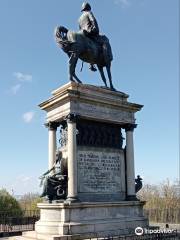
[[23, 178], [22, 77], [26, 179], [14, 89], [28, 116], [123, 3]]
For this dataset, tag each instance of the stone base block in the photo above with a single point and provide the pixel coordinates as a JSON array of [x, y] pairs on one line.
[[61, 221]]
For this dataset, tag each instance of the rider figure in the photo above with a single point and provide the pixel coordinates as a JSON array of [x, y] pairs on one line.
[[89, 25]]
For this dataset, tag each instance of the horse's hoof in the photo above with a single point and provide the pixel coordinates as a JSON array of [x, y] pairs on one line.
[[112, 88]]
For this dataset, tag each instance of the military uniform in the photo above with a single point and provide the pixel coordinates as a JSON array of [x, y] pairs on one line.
[[88, 24]]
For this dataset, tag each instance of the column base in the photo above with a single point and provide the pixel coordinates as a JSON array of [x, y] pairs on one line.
[[131, 198], [72, 200]]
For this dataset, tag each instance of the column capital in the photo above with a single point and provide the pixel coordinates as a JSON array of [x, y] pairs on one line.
[[130, 127], [72, 118], [52, 125]]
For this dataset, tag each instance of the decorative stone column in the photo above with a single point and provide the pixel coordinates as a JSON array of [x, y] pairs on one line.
[[130, 171], [72, 158], [52, 126]]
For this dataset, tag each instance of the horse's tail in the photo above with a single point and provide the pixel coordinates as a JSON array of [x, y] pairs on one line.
[[107, 51], [106, 48]]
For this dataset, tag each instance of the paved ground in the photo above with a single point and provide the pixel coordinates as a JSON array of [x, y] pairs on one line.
[[12, 238], [161, 225]]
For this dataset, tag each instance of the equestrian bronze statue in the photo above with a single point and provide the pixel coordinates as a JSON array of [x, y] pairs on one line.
[[86, 44]]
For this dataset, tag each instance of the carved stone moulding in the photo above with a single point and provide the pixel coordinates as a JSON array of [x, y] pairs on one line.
[[85, 220], [90, 102]]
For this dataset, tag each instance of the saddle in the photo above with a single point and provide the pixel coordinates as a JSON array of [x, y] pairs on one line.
[[100, 40], [103, 43]]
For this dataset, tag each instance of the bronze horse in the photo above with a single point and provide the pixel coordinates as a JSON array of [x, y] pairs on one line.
[[94, 51]]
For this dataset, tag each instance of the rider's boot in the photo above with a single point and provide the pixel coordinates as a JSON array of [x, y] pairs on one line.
[[92, 68]]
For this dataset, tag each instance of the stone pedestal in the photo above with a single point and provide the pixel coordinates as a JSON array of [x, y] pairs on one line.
[[63, 221], [101, 196]]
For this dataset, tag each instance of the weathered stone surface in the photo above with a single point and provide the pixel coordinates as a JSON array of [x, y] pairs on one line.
[[101, 174], [88, 219], [90, 102], [96, 175]]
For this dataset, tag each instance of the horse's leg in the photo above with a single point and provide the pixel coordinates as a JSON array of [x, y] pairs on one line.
[[102, 74], [77, 79], [108, 68], [72, 66]]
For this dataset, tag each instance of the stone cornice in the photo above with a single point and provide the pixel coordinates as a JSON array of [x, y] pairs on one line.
[[88, 93], [89, 204]]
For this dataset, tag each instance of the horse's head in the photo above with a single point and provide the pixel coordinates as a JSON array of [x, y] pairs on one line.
[[61, 38], [60, 33]]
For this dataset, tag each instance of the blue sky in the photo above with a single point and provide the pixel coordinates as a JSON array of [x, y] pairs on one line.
[[144, 35]]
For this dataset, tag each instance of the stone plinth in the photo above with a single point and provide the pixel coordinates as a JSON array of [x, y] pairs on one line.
[[83, 220], [90, 102], [100, 199], [94, 118]]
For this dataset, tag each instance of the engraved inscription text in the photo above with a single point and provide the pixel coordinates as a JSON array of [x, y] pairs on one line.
[[99, 172]]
